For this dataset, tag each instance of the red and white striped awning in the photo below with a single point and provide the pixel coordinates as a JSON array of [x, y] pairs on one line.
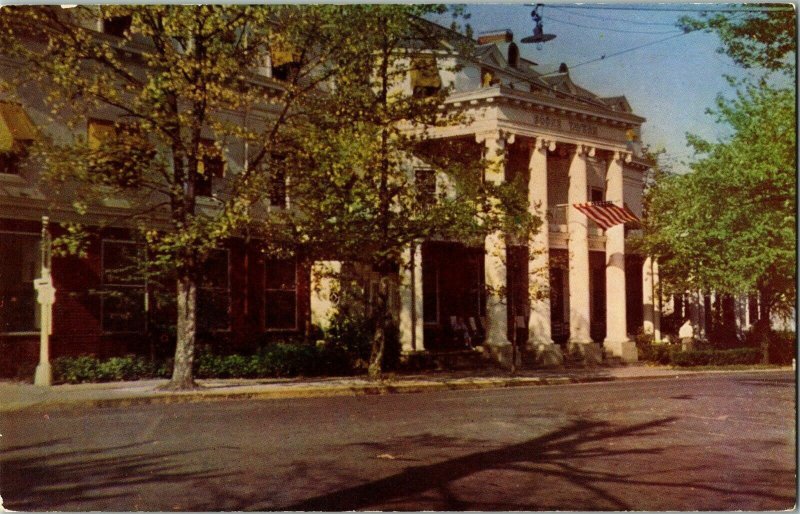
[[606, 214]]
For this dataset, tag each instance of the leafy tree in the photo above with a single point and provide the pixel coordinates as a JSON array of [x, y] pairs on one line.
[[730, 224], [171, 76], [760, 36], [358, 196]]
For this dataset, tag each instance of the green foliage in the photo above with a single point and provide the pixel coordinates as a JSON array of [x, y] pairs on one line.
[[659, 353], [85, 368], [781, 344], [730, 224], [761, 36], [731, 357]]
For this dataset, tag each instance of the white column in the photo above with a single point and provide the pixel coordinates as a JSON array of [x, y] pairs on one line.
[[495, 263], [46, 297], [657, 304], [325, 292], [578, 250], [411, 323], [616, 341], [648, 309], [539, 330]]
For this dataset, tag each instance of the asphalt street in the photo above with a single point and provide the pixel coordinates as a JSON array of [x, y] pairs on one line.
[[714, 442]]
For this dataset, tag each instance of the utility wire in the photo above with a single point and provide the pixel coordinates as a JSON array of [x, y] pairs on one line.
[[615, 20], [696, 8], [550, 18], [603, 57]]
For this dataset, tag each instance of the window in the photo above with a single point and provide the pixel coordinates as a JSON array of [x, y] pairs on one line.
[[277, 188], [118, 152], [285, 58], [117, 25], [426, 186], [280, 294], [123, 295], [214, 294], [424, 72], [211, 165], [596, 194], [19, 266], [14, 122]]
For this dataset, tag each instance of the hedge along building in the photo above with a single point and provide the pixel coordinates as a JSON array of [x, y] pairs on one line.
[[570, 145], [574, 283]]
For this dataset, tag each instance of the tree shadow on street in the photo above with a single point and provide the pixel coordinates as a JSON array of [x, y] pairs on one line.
[[53, 479], [551, 456]]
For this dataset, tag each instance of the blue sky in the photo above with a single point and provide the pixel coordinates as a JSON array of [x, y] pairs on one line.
[[670, 83]]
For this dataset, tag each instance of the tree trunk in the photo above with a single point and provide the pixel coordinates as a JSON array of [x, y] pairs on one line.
[[182, 373], [381, 329]]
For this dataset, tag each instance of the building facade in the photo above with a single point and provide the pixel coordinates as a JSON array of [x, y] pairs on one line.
[[575, 287]]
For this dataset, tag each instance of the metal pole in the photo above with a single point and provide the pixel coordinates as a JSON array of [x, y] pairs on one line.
[[45, 298]]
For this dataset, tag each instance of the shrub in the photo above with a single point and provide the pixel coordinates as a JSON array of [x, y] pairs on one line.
[[735, 356], [86, 368], [782, 344], [656, 352]]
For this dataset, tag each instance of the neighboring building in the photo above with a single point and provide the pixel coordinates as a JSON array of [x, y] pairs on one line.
[[569, 145]]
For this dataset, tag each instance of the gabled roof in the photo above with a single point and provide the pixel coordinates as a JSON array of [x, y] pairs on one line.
[[617, 103]]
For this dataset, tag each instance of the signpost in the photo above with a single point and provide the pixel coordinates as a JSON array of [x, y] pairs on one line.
[[46, 298]]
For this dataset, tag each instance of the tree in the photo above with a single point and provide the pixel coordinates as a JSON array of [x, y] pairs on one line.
[[760, 36], [365, 157], [170, 76]]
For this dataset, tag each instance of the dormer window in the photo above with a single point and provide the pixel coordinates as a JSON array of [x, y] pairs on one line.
[[117, 25], [424, 72], [513, 55]]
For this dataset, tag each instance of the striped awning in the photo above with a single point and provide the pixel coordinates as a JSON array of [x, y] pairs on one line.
[[606, 214]]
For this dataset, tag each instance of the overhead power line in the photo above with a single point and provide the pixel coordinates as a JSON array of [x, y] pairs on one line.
[[613, 20], [695, 8], [604, 56], [624, 31]]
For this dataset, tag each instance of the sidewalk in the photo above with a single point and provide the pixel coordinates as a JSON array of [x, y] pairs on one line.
[[16, 396]]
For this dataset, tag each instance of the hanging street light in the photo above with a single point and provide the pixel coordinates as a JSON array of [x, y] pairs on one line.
[[538, 36]]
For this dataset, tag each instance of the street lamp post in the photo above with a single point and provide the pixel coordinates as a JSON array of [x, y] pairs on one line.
[[46, 298]]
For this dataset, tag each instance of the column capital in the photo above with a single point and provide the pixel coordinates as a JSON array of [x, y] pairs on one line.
[[542, 144], [621, 156], [499, 137]]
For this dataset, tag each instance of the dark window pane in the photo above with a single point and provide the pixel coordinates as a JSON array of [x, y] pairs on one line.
[[277, 189], [597, 195], [123, 309], [281, 307], [280, 274], [213, 309], [19, 266], [117, 25], [430, 293], [426, 186], [215, 270], [121, 263]]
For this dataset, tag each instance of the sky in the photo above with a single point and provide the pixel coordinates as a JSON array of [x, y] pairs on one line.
[[670, 83]]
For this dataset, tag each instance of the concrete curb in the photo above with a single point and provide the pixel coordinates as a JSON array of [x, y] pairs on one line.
[[319, 391]]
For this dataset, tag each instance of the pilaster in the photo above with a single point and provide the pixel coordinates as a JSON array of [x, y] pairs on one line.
[[647, 296]]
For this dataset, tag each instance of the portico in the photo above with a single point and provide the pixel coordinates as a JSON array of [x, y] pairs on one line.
[[569, 154]]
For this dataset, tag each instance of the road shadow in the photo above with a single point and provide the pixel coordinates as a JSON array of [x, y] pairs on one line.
[[53, 479], [553, 456]]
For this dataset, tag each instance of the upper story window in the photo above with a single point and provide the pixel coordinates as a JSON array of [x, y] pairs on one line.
[[17, 132], [424, 73], [210, 165], [116, 25], [278, 196], [118, 152]]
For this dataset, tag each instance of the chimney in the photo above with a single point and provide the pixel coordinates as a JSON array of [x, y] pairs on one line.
[[495, 36]]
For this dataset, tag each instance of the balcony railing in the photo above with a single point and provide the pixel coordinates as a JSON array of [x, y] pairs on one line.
[[557, 218]]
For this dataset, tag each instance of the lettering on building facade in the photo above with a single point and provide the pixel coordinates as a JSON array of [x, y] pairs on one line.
[[555, 123], [584, 129]]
